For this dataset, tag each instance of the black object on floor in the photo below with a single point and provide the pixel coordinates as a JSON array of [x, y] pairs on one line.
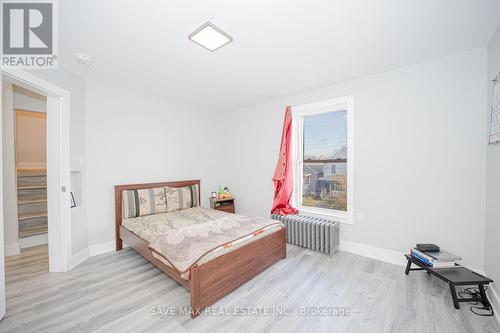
[[428, 247], [456, 276]]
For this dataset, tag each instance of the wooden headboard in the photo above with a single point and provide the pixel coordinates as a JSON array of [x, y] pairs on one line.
[[118, 200]]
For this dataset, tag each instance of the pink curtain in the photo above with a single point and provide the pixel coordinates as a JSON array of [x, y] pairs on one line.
[[283, 175]]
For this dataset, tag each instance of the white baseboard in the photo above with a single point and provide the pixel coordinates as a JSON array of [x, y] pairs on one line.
[[98, 249], [92, 251], [33, 241], [78, 258], [95, 250], [494, 300], [12, 249], [373, 252]]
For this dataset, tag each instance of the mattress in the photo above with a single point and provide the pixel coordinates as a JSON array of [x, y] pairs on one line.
[[150, 227]]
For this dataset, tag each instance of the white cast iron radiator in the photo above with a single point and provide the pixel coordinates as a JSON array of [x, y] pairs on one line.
[[311, 232]]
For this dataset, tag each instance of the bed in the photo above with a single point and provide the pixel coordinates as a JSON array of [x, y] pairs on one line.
[[218, 272]]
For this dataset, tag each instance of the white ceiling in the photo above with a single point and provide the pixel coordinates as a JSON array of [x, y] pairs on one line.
[[280, 47]]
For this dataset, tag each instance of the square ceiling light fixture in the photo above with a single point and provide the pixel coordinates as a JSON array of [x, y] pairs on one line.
[[210, 37]]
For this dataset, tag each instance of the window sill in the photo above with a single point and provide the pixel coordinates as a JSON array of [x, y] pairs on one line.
[[338, 217]]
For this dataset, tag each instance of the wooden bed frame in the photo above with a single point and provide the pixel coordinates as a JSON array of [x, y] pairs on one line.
[[210, 281]]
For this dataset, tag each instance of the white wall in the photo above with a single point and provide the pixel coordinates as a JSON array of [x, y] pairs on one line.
[[135, 138], [420, 155], [492, 247]]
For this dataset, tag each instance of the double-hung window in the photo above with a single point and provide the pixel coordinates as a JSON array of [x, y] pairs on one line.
[[323, 157]]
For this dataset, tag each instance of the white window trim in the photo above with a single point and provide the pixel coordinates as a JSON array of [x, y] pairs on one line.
[[298, 114]]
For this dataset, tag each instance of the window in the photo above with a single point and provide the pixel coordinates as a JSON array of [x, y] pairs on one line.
[[322, 151]]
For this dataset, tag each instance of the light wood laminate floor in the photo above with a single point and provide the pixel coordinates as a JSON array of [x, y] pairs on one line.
[[116, 292]]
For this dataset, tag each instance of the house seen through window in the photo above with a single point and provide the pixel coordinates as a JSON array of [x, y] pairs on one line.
[[324, 167]]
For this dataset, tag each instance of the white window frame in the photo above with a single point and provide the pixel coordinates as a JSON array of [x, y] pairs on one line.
[[298, 113]]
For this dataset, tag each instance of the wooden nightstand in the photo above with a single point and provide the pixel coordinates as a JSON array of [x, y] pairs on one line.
[[224, 205]]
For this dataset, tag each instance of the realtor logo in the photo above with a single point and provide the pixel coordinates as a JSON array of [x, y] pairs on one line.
[[28, 34]]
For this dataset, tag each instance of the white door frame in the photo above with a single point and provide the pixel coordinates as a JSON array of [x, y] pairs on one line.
[[58, 165]]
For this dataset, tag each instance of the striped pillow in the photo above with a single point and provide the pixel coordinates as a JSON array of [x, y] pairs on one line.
[[143, 202], [182, 197]]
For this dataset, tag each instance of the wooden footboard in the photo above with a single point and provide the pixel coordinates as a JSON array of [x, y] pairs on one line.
[[211, 281]]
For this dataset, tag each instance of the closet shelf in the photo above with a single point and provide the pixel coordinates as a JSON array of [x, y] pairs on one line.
[[33, 232], [31, 187], [28, 201], [30, 216], [32, 203]]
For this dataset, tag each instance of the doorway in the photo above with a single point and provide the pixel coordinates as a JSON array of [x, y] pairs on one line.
[[57, 171], [25, 171]]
